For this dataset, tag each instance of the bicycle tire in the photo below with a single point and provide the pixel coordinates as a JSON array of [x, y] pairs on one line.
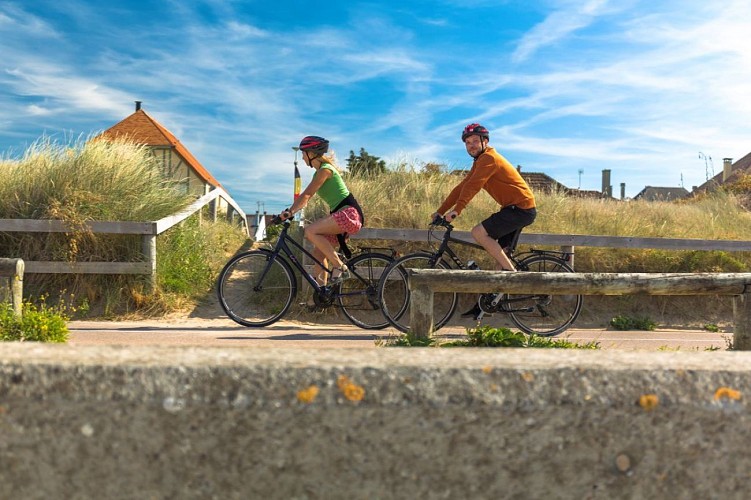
[[394, 295], [546, 315], [358, 295], [248, 302]]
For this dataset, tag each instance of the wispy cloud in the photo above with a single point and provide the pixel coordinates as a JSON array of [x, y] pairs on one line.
[[562, 22], [562, 85]]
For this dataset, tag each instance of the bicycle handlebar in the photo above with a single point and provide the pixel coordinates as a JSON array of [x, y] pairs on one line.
[[277, 220], [441, 221]]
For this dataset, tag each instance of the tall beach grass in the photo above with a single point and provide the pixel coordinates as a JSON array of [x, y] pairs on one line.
[[96, 180]]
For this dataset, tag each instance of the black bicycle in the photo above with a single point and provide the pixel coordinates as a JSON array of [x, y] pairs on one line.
[[539, 314], [257, 288]]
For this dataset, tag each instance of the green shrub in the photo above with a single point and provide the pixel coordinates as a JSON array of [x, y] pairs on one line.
[[486, 336], [39, 323], [623, 322], [182, 266]]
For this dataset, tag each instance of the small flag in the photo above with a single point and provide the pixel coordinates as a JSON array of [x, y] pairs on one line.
[[298, 182]]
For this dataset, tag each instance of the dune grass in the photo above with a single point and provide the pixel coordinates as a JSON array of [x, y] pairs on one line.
[[107, 181], [405, 198], [119, 181]]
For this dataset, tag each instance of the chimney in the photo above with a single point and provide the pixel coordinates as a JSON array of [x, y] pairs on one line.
[[727, 167], [623, 190], [606, 188], [138, 105]]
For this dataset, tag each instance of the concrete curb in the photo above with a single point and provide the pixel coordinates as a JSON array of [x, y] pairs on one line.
[[181, 422]]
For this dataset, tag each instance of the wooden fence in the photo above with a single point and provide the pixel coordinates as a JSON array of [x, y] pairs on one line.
[[148, 231], [568, 242], [423, 283]]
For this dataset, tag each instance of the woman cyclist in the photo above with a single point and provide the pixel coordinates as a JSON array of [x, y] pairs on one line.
[[345, 217]]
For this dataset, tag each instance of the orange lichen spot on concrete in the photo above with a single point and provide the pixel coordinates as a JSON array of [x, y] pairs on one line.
[[649, 401], [308, 395], [351, 391], [727, 393]]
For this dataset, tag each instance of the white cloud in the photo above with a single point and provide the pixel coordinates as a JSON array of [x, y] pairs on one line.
[[558, 25]]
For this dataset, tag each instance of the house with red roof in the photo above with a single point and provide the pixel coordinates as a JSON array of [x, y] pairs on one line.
[[177, 162]]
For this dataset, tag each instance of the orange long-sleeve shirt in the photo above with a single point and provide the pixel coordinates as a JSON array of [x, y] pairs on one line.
[[493, 173]]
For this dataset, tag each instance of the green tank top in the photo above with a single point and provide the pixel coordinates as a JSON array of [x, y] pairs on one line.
[[333, 190]]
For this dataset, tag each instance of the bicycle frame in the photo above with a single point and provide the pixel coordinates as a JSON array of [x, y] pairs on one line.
[[282, 247], [445, 249]]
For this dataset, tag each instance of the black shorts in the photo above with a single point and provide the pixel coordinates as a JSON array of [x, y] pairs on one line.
[[502, 225]]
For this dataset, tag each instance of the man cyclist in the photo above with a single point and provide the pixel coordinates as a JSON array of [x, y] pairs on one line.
[[493, 173]]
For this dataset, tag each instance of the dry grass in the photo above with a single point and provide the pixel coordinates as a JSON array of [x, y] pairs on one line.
[[102, 181], [405, 198]]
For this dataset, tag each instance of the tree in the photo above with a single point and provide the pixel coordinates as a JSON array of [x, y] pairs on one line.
[[365, 164], [433, 168]]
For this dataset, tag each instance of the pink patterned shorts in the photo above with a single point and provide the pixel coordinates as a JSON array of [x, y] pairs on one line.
[[348, 221]]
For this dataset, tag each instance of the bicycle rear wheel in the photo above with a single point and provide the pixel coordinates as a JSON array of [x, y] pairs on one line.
[[394, 295], [543, 315], [255, 290], [358, 295]]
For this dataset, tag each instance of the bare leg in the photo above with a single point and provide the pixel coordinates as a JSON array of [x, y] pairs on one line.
[[492, 247], [320, 276], [315, 233]]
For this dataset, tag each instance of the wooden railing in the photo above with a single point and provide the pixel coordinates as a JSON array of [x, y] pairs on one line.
[[148, 231], [423, 283], [568, 242]]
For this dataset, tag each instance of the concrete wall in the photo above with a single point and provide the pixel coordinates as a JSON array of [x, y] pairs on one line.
[[109, 422]]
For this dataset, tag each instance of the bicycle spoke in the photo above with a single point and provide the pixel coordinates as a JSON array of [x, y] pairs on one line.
[[255, 291], [394, 293], [358, 296], [544, 315]]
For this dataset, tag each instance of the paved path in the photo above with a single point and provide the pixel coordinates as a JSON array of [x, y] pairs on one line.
[[225, 333]]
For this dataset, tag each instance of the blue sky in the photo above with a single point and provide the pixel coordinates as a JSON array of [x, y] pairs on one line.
[[637, 87]]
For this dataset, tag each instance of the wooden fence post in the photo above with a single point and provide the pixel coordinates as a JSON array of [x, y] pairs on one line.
[[569, 249], [13, 269], [149, 251], [742, 322], [421, 311]]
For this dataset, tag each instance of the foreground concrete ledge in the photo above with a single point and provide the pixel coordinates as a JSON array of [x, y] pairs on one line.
[[185, 422]]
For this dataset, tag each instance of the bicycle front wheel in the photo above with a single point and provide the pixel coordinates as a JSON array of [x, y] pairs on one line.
[[256, 289], [544, 315], [358, 295], [394, 295]]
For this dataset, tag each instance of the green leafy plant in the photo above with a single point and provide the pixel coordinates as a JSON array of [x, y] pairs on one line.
[[711, 327], [486, 336], [39, 323], [406, 340], [623, 322]]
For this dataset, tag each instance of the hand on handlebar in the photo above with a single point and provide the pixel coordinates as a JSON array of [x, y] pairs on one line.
[[278, 219], [440, 220]]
